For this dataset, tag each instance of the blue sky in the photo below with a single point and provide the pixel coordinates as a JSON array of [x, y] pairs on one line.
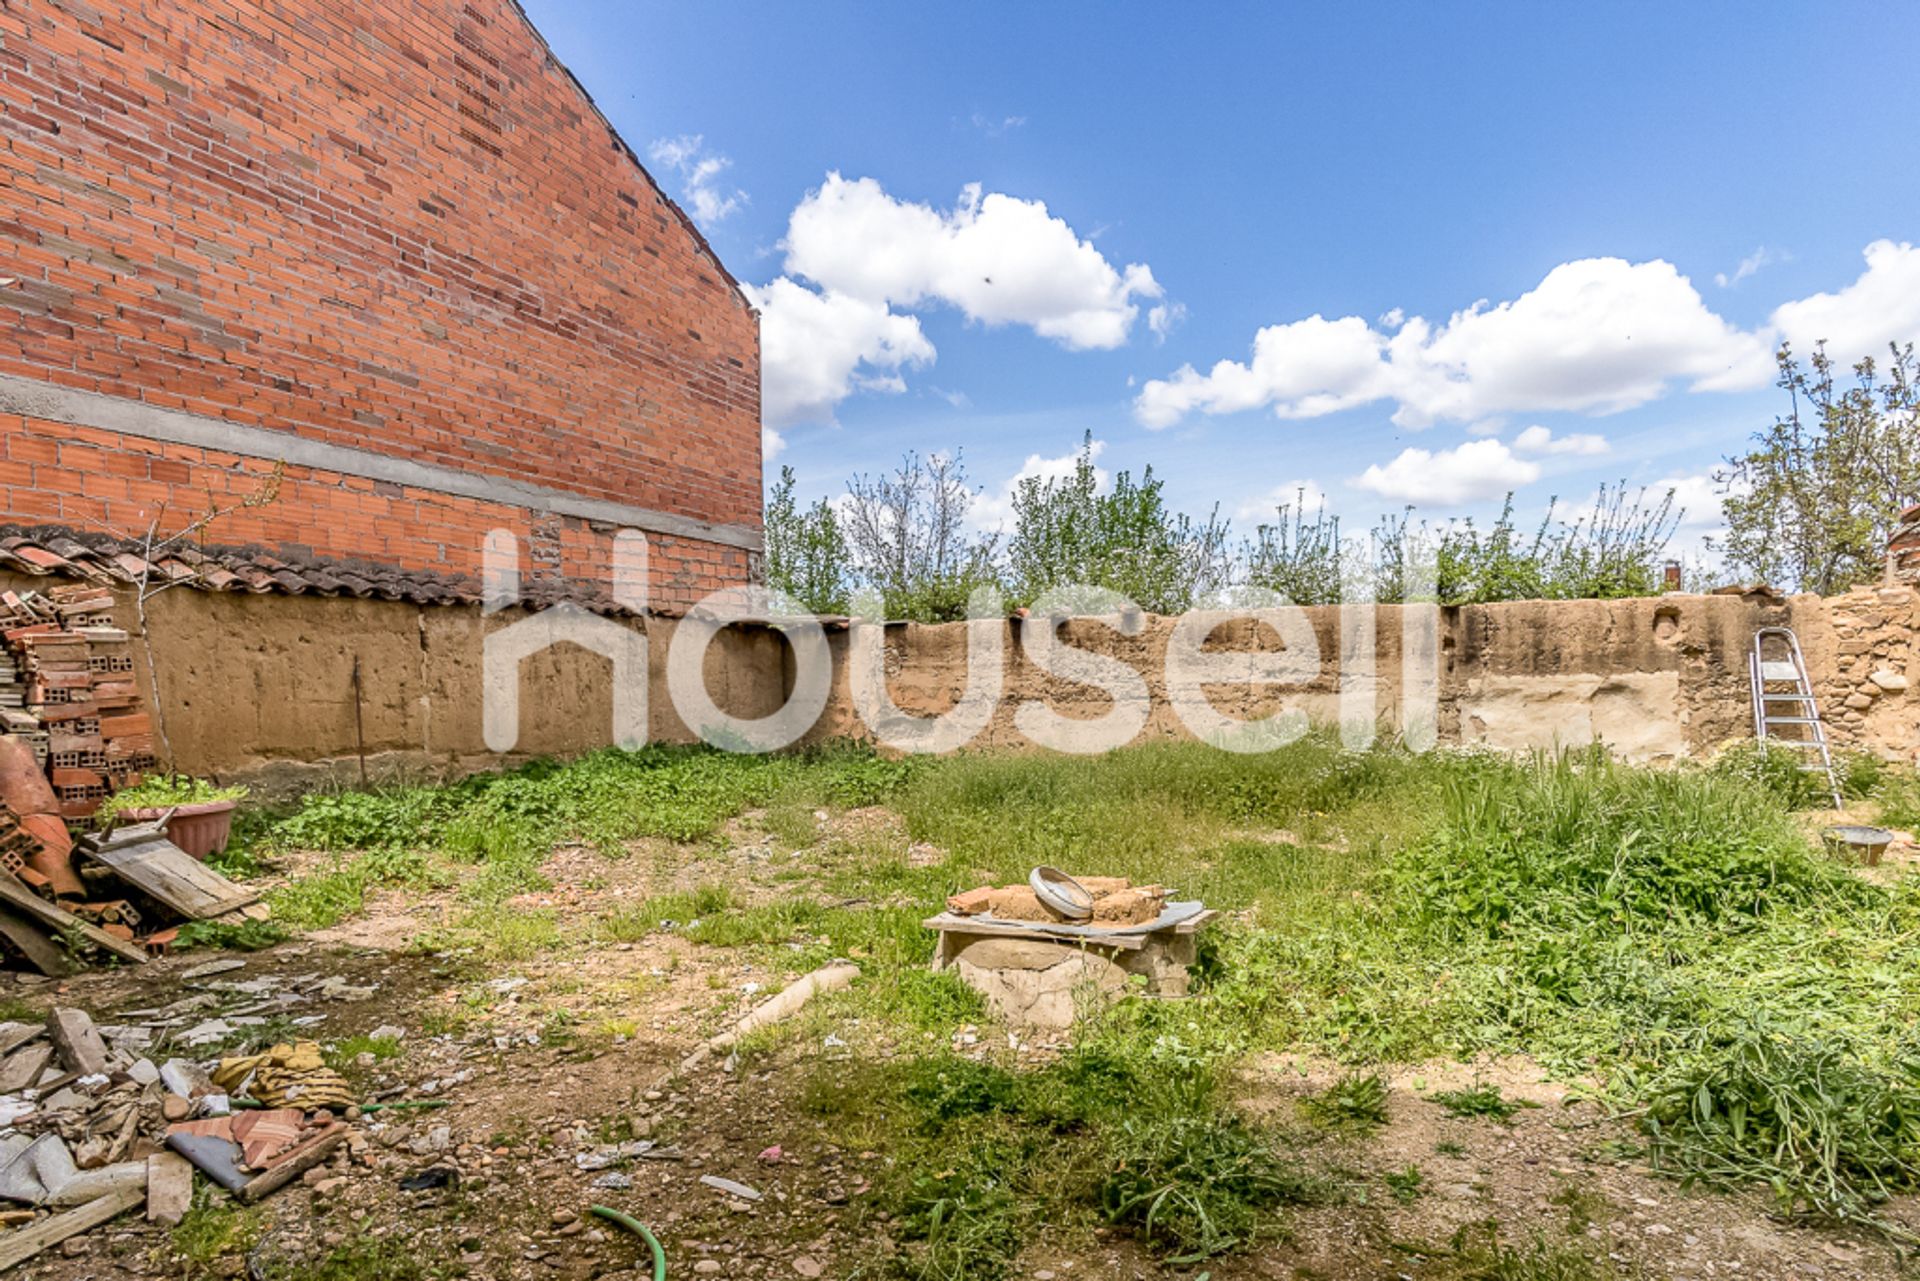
[[1646, 197]]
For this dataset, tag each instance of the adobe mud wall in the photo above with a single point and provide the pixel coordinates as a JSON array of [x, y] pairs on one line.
[[282, 690], [1654, 678]]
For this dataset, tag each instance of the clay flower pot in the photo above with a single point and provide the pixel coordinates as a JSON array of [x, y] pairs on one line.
[[200, 829]]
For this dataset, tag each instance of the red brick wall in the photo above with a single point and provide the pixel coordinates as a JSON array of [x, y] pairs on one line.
[[98, 481], [398, 227]]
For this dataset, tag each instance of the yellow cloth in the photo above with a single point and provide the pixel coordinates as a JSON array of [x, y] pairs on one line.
[[293, 1075]]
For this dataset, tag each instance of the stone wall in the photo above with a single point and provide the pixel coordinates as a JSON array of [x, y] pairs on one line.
[[1868, 663]]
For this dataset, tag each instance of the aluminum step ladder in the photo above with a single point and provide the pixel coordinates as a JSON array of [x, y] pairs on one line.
[[1779, 674]]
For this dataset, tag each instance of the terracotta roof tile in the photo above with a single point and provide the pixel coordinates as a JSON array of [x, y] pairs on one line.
[[102, 558]]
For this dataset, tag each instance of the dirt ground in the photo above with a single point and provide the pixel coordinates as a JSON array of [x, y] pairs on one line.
[[556, 1067]]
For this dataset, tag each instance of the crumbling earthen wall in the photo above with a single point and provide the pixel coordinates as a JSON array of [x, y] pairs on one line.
[[393, 246], [282, 689]]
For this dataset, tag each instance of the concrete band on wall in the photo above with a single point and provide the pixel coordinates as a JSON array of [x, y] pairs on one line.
[[33, 399]]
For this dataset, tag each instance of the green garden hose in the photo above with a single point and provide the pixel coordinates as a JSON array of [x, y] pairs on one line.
[[634, 1225]]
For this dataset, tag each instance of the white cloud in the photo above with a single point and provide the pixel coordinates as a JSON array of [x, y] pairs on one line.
[[772, 443], [1539, 440], [1696, 499], [816, 348], [998, 259], [707, 199], [1750, 265], [997, 126], [1597, 335], [1474, 471], [1881, 306], [1303, 369], [993, 512], [866, 256], [1299, 495], [1164, 318]]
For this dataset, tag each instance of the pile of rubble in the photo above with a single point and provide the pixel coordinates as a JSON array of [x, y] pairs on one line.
[[70, 691], [98, 1118], [73, 731], [91, 1126]]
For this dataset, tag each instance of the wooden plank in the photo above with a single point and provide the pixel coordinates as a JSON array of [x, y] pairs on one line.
[[169, 1188], [42, 951], [168, 873], [989, 928], [78, 1041], [17, 1247], [16, 895], [295, 1163], [1193, 923]]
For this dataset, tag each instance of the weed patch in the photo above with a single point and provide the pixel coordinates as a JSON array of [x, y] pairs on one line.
[[1198, 1185], [1357, 1101], [1481, 1100]]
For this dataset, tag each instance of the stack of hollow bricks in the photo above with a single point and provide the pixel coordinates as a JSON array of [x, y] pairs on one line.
[[399, 229], [80, 688]]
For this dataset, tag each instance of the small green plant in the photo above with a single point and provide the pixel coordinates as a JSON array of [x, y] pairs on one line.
[[213, 1229], [1447, 1147], [163, 791], [235, 936], [1584, 1208], [363, 1258], [1357, 1101], [1406, 1185], [344, 1055], [946, 1087], [1778, 771], [1481, 1100], [1477, 1253], [1899, 797], [1198, 1185]]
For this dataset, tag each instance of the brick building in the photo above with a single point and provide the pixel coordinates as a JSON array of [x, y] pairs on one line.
[[393, 250]]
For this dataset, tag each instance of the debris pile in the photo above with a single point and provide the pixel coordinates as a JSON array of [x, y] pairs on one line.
[[1040, 952], [1117, 901], [86, 1114], [131, 889], [72, 672], [97, 1118]]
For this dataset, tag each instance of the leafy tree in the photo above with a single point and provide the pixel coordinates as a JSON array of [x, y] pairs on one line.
[[1067, 533], [909, 539], [1614, 550], [806, 553], [1814, 502]]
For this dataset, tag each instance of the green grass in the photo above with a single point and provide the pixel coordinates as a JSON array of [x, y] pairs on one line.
[[342, 1054], [986, 1160], [1675, 935], [214, 1229]]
